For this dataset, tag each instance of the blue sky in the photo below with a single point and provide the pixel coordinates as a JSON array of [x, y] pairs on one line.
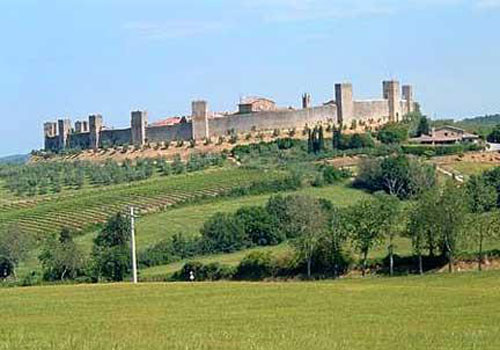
[[74, 58]]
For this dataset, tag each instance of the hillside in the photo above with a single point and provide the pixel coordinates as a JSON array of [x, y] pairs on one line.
[[448, 312], [80, 210], [15, 159]]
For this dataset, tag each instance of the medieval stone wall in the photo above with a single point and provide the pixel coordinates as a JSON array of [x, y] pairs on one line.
[[79, 140], [182, 131], [281, 119], [115, 137], [373, 109]]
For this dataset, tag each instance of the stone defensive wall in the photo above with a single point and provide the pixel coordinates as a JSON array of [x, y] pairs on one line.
[[253, 114], [282, 119]]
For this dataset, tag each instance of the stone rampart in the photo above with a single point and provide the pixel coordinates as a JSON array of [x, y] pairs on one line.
[[281, 119], [182, 131]]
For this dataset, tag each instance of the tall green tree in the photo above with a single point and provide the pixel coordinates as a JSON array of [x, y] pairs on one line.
[[14, 247], [335, 239], [423, 127], [422, 225], [224, 232], [111, 252], [390, 212], [452, 210], [482, 200], [309, 222], [61, 258], [366, 226], [321, 140], [337, 137]]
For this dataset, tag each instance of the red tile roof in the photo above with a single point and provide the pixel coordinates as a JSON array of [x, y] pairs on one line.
[[167, 121]]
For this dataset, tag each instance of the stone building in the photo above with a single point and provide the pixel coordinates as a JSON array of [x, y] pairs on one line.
[[253, 114], [446, 135]]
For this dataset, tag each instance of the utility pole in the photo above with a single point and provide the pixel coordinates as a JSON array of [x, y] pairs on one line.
[[132, 245]]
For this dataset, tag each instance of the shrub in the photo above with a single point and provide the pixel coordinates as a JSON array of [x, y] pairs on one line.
[[223, 233], [393, 133], [318, 181], [175, 248], [398, 175], [220, 140], [233, 138], [440, 150], [355, 141], [201, 272], [332, 174], [259, 226], [178, 167], [494, 135], [255, 266]]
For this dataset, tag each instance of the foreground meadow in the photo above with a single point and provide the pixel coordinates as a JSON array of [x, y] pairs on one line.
[[460, 311]]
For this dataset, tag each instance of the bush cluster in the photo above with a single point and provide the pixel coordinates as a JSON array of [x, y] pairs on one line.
[[398, 175], [441, 150]]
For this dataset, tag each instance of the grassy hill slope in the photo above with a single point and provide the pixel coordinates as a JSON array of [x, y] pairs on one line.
[[80, 210], [459, 311]]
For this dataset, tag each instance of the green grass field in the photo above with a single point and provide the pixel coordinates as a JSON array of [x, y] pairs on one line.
[[470, 168], [459, 311]]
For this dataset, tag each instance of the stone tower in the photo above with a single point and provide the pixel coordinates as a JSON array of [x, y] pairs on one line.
[[49, 133], [95, 128], [408, 98], [391, 91], [306, 101], [64, 128], [345, 105], [50, 129], [200, 119], [139, 121]]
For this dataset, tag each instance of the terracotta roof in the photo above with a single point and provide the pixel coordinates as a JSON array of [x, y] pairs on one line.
[[167, 121], [254, 99]]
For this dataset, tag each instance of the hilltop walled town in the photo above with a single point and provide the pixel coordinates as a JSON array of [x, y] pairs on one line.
[[253, 114]]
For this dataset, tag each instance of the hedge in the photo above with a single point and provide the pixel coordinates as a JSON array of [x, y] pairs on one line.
[[441, 150]]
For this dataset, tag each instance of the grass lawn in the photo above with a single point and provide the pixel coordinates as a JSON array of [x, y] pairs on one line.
[[471, 168], [459, 311]]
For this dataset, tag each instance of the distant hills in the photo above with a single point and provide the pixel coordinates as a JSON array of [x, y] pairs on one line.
[[484, 120], [15, 159], [482, 125]]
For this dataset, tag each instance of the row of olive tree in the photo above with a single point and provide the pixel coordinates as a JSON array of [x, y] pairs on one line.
[[52, 177]]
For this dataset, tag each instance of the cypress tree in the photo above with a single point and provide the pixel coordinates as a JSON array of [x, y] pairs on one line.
[[337, 135], [315, 140], [321, 140], [309, 141]]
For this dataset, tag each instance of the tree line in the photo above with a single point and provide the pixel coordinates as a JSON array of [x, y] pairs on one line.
[[440, 220]]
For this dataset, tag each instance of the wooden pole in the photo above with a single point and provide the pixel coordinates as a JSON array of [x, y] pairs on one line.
[[132, 246]]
